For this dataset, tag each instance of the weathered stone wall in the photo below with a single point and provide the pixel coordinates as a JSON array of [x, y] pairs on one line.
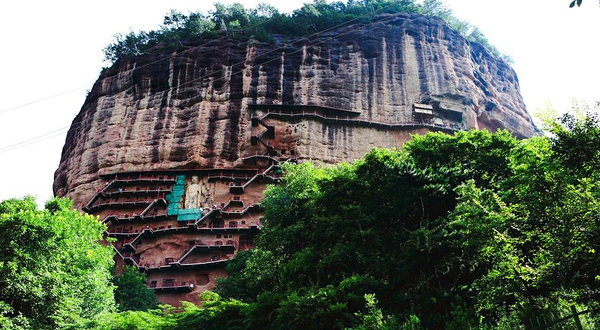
[[191, 110], [195, 133]]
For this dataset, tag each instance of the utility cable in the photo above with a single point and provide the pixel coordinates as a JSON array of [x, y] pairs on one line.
[[271, 60], [34, 140], [205, 44], [303, 38], [137, 68], [45, 98], [74, 126]]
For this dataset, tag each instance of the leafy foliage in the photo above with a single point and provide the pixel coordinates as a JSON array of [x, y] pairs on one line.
[[578, 2], [261, 23], [575, 141], [128, 320], [131, 291], [475, 230], [464, 231], [53, 270], [373, 318], [214, 314]]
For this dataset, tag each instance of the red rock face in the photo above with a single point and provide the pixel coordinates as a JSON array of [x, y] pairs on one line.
[[218, 117]]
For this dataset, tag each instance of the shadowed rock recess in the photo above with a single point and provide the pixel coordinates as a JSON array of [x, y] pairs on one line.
[[174, 150]]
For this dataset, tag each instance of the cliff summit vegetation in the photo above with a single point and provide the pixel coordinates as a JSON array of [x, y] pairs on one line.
[[179, 30]]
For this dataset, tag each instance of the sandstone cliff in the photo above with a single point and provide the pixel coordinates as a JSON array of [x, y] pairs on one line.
[[193, 110]]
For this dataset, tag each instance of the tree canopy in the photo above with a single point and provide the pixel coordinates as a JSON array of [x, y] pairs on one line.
[[464, 231], [132, 292], [474, 230], [53, 270], [180, 30]]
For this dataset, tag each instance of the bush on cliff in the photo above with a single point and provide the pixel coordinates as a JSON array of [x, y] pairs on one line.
[[261, 23]]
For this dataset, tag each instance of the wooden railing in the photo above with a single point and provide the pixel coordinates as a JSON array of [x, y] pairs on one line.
[[356, 121], [143, 177], [188, 285]]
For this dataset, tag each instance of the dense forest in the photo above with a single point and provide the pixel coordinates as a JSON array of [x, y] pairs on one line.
[[475, 230], [182, 31]]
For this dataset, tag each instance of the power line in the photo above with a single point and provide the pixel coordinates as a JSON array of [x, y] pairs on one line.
[[45, 98], [279, 48], [18, 145], [137, 68], [271, 60], [203, 45], [74, 126], [34, 140]]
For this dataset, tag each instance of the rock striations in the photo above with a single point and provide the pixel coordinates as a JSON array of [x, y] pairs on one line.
[[173, 150]]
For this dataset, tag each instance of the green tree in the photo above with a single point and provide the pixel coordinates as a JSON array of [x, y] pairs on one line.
[[474, 230], [373, 318], [53, 269], [131, 291], [463, 231], [214, 314], [157, 319], [229, 16], [346, 231], [131, 44], [575, 142], [261, 23]]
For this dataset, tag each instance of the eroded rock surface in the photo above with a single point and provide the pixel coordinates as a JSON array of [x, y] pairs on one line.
[[173, 151], [190, 110]]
